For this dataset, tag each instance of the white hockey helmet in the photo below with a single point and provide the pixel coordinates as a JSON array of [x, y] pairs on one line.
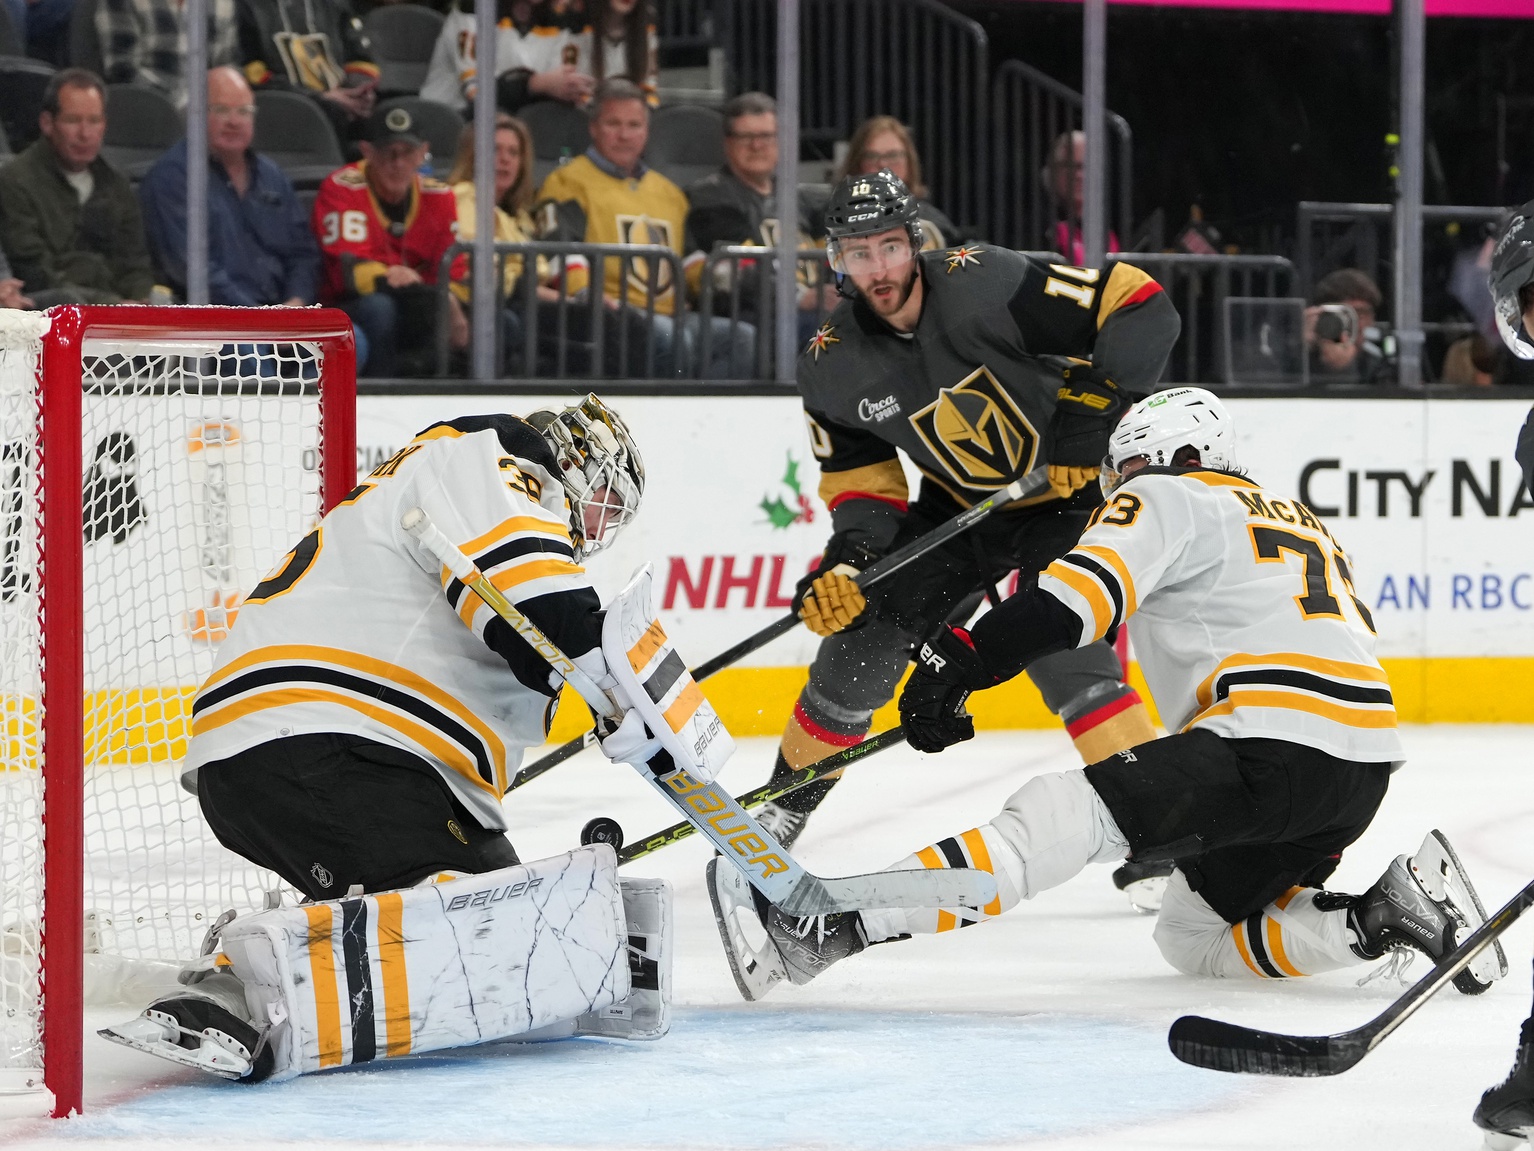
[[600, 467], [1158, 427]]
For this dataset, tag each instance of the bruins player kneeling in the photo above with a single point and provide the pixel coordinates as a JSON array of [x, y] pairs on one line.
[[1261, 659], [356, 737]]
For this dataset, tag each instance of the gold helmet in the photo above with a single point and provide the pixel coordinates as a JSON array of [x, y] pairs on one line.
[[600, 467]]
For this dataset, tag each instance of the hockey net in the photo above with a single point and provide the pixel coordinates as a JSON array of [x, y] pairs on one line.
[[154, 464]]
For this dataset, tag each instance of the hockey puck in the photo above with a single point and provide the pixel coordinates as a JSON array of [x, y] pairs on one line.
[[602, 829]]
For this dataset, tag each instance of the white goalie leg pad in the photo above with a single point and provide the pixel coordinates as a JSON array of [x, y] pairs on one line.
[[654, 681], [1051, 827], [646, 1013], [453, 964], [1287, 938]]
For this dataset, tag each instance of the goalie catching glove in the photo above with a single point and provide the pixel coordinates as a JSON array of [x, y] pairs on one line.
[[932, 705], [1088, 407], [829, 597]]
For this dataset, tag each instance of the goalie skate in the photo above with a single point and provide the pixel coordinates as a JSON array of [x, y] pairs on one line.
[[754, 959], [197, 1033]]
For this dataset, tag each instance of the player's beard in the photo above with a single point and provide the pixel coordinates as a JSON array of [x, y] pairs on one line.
[[885, 312]]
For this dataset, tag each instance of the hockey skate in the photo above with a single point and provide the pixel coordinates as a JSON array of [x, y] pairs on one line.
[[784, 824], [195, 1031], [1143, 883], [1425, 902], [1506, 1112], [764, 946]]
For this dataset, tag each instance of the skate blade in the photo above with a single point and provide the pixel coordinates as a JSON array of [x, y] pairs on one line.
[[1145, 895], [757, 967], [149, 1037], [1497, 1141], [1443, 876]]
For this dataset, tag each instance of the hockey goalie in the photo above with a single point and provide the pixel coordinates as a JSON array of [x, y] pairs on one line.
[[356, 737]]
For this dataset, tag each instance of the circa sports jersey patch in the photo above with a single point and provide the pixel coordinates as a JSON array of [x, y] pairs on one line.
[[821, 341], [978, 432], [877, 411], [963, 257]]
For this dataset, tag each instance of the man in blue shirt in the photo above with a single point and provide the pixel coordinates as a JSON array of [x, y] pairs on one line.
[[260, 248]]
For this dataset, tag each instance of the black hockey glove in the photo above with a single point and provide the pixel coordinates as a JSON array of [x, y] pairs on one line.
[[829, 598], [932, 705], [1088, 407]]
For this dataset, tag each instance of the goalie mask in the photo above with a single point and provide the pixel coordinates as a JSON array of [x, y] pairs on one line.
[[1158, 428], [600, 467]]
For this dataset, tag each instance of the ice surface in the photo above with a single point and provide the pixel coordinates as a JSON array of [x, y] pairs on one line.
[[1044, 1029]]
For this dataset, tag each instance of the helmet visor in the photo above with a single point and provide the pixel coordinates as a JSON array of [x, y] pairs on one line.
[[1109, 477], [864, 256]]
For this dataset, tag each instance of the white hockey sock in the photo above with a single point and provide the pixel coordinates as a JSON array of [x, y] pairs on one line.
[[1051, 827]]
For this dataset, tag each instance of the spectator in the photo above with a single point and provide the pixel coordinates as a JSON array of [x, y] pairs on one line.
[[620, 41], [144, 42], [610, 196], [884, 142], [1340, 333], [68, 220], [1066, 185], [383, 230], [737, 205], [10, 288], [316, 47], [1470, 362], [535, 58], [260, 248]]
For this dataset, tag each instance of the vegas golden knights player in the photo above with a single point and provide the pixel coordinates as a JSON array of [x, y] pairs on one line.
[[936, 354]]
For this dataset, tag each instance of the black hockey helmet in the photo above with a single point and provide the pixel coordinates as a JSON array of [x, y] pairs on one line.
[[1512, 270], [867, 205]]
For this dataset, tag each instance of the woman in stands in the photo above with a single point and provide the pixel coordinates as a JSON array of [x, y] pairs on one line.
[[884, 142], [536, 58], [621, 41]]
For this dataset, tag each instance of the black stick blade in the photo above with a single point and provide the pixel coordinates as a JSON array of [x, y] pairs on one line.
[[1219, 1046]]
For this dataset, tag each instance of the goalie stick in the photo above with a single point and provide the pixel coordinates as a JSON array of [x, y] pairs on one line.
[[820, 769], [707, 806], [1230, 1047], [1030, 484]]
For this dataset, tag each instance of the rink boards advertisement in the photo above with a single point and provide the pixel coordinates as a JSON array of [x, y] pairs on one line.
[[1425, 495]]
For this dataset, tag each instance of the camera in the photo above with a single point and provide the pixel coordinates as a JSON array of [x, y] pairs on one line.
[[1337, 323]]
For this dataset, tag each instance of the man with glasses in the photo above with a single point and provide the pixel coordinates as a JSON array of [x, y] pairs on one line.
[[383, 229], [260, 248], [68, 220], [737, 205]]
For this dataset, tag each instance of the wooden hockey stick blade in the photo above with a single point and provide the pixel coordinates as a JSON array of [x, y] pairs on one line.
[[769, 792], [1030, 484], [1230, 1047]]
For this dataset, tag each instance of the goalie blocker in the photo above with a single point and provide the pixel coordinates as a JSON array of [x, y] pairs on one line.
[[549, 949]]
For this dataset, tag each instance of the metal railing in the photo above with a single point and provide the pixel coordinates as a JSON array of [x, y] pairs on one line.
[[1030, 112], [1347, 235], [579, 334], [688, 23], [1198, 287], [916, 60], [737, 286]]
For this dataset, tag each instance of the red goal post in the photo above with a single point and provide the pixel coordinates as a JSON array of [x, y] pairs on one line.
[[156, 462]]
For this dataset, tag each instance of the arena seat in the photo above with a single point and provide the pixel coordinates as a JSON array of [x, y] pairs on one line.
[[141, 124], [686, 142], [22, 81], [403, 36], [297, 136]]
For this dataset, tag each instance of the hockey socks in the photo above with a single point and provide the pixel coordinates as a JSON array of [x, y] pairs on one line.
[[1051, 827]]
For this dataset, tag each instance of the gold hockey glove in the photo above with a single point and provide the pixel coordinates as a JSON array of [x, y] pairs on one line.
[[1088, 407], [1068, 480], [833, 602]]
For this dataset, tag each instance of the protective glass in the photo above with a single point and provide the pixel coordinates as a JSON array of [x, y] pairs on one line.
[[870, 255]]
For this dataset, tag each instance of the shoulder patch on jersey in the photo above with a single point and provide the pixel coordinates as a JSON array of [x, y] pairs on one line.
[[963, 257], [350, 177], [517, 436], [821, 341]]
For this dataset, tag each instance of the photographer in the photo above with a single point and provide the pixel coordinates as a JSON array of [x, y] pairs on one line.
[[1341, 336]]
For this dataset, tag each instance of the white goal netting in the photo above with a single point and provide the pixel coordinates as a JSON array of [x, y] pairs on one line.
[[200, 469]]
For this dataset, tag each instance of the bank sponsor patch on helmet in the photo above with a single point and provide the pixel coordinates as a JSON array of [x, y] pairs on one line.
[[978, 432]]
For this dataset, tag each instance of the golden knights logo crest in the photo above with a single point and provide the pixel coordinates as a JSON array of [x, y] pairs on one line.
[[642, 278], [978, 432], [821, 341], [308, 62]]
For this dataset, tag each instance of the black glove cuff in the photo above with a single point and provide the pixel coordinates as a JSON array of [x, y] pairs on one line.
[[949, 656]]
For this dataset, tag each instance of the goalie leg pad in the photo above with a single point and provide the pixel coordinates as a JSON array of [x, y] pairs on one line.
[[646, 1013], [452, 964]]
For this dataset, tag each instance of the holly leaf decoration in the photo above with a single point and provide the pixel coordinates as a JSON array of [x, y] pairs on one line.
[[779, 514], [791, 477]]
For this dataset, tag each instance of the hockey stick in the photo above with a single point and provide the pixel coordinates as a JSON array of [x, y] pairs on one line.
[[1230, 1047], [1030, 484], [821, 769], [711, 809]]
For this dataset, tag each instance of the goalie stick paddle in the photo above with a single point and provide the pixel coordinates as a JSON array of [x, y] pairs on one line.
[[713, 811], [820, 769], [1230, 1047], [1030, 484]]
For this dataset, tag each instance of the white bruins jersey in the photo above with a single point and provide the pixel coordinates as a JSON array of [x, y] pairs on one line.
[[1242, 611], [359, 630]]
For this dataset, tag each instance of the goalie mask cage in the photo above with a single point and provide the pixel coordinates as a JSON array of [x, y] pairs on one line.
[[154, 464]]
